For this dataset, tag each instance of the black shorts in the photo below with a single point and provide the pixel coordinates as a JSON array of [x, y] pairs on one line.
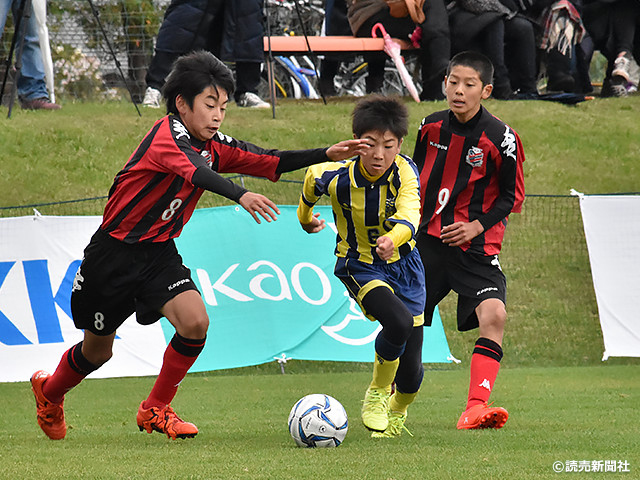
[[472, 276], [116, 279]]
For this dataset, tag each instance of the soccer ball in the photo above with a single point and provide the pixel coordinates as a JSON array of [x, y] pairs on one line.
[[318, 420]]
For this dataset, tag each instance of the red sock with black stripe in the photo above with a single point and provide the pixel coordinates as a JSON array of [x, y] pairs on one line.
[[485, 364], [180, 355], [72, 369]]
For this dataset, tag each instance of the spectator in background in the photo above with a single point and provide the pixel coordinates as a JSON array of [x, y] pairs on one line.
[[498, 30], [230, 29], [32, 86], [613, 26], [561, 36], [335, 23], [434, 40]]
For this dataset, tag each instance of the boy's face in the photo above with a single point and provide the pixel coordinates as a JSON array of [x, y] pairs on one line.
[[384, 148], [465, 91], [205, 118]]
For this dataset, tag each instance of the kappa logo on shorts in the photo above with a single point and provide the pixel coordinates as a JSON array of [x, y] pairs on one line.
[[178, 283], [475, 157], [496, 262], [485, 290], [77, 281]]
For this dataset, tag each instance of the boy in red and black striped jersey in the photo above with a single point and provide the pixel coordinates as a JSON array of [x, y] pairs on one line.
[[471, 179], [132, 265]]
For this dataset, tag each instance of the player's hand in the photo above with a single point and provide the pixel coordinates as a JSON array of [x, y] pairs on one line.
[[459, 233], [315, 225], [257, 204], [347, 149], [385, 247]]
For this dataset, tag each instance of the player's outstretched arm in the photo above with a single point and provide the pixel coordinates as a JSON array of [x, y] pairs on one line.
[[347, 149], [315, 225], [257, 204]]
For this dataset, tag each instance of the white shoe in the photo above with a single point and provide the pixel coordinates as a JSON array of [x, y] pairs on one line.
[[251, 100], [621, 67], [152, 98]]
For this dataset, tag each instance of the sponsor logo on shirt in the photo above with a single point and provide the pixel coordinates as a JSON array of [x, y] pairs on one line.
[[437, 145], [475, 157], [509, 143]]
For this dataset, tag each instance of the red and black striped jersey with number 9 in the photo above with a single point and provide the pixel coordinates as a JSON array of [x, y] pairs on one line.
[[469, 172]]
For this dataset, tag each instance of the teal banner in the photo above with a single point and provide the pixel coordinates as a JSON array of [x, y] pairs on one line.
[[271, 294]]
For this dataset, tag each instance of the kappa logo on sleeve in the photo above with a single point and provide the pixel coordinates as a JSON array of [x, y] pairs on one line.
[[224, 138], [180, 129], [509, 143]]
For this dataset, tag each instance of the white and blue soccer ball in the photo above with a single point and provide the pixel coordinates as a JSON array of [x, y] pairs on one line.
[[318, 420]]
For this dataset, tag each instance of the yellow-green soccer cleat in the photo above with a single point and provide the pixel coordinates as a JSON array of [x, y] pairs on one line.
[[395, 427], [375, 409]]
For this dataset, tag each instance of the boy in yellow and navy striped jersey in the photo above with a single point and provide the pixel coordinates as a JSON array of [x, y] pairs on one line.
[[376, 208]]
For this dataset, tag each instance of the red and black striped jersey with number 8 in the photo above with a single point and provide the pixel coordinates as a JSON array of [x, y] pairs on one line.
[[469, 172], [153, 197]]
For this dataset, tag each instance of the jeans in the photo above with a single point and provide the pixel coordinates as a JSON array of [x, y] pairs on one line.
[[31, 83]]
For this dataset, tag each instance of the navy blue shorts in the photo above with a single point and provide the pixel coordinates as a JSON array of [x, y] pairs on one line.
[[116, 279], [404, 277]]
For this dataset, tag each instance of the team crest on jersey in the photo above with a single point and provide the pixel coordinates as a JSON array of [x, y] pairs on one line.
[[475, 157], [206, 154], [390, 207], [180, 129]]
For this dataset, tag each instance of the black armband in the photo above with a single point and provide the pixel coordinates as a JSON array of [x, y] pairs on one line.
[[206, 178], [291, 160]]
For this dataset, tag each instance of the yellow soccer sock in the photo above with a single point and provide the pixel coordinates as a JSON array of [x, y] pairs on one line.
[[400, 402], [384, 372]]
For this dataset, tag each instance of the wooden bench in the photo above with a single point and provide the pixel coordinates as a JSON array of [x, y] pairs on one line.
[[297, 45], [321, 45]]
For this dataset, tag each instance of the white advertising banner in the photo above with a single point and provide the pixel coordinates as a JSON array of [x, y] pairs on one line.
[[612, 231], [39, 257]]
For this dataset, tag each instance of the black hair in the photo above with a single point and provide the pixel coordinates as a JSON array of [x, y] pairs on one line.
[[479, 62], [191, 74], [377, 113]]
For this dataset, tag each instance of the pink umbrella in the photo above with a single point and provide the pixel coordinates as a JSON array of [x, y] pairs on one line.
[[393, 49]]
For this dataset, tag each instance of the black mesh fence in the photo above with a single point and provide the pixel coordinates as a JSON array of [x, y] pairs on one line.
[[549, 228]]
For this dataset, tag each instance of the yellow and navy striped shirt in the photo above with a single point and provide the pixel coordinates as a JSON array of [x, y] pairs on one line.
[[366, 208]]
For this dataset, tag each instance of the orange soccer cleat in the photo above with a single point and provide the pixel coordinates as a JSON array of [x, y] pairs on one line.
[[50, 415], [164, 420], [483, 416]]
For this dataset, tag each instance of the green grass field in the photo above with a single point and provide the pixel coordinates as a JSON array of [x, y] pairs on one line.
[[565, 404], [557, 415]]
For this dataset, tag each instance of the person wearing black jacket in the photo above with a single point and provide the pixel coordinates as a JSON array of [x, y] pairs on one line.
[[230, 29]]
